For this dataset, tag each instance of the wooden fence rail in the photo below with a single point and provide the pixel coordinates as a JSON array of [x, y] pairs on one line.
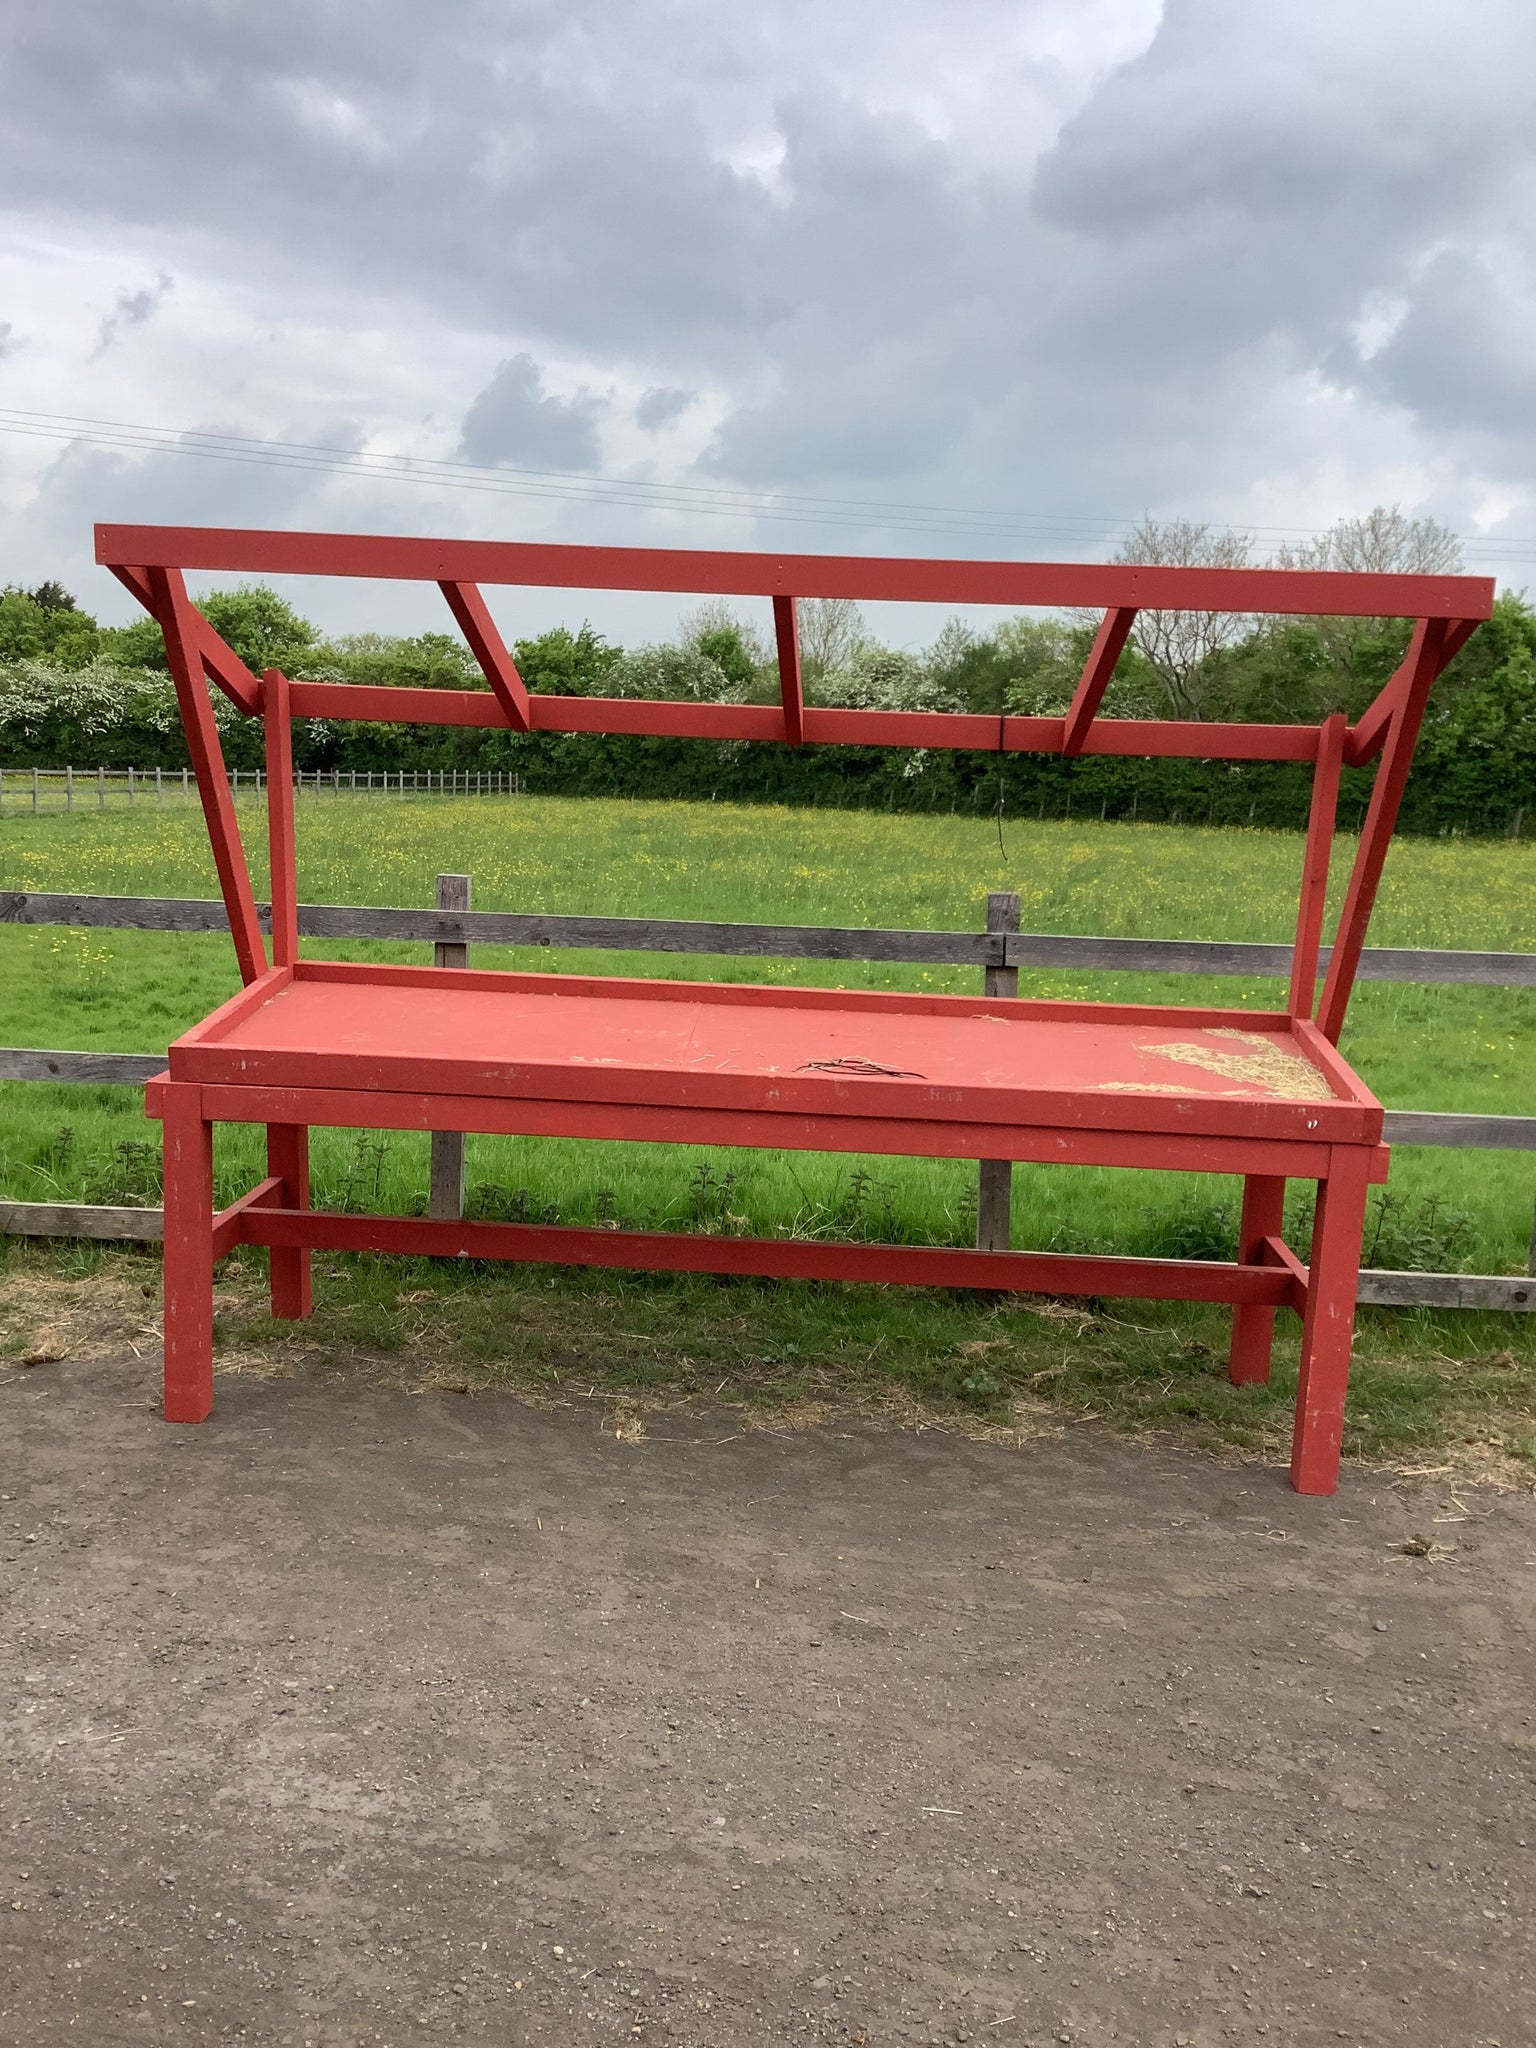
[[999, 953], [779, 941]]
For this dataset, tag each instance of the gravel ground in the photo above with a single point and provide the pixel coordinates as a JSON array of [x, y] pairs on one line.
[[355, 1717]]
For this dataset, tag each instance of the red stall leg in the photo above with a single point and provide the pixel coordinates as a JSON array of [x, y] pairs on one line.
[[288, 1268], [188, 1267], [1329, 1326], [1253, 1328]]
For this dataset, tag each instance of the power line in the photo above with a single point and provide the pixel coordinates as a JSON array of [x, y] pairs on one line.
[[573, 487]]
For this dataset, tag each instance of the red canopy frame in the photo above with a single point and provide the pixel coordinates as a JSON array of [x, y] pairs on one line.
[[361, 1046], [151, 561]]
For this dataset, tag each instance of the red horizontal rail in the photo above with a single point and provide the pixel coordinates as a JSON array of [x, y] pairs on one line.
[[718, 572], [775, 1258], [386, 702]]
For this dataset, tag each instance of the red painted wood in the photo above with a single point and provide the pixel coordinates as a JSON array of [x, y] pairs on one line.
[[727, 573], [228, 1228], [820, 725], [289, 1274], [1314, 867], [188, 1257], [949, 1059], [810, 1069], [913, 1138], [251, 997], [220, 662], [1108, 646], [1328, 1325], [1365, 741], [777, 1258], [1253, 1326], [490, 650], [177, 620], [1278, 1253], [765, 995], [277, 718], [1427, 660], [791, 692]]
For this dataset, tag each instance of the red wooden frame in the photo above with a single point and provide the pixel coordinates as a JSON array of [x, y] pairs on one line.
[[310, 1042]]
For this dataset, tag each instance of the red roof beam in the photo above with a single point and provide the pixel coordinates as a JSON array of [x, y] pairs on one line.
[[726, 573]]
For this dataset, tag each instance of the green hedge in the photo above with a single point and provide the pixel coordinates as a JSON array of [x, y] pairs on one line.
[[68, 695]]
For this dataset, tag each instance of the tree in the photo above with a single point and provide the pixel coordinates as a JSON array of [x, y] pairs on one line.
[[263, 629], [561, 663], [45, 624], [831, 633], [1178, 645], [1384, 542]]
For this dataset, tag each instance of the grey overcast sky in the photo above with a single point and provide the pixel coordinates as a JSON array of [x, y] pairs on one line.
[[995, 276]]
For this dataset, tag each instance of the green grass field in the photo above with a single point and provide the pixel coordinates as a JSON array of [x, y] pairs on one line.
[[1422, 1048], [1429, 1048]]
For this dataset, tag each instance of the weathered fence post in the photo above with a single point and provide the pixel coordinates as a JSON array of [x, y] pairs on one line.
[[994, 1189], [445, 1193]]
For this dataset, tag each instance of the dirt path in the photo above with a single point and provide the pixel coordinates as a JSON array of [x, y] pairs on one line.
[[358, 1718]]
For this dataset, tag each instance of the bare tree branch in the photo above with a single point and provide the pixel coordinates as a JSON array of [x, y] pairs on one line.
[[1385, 542], [831, 634], [1178, 645]]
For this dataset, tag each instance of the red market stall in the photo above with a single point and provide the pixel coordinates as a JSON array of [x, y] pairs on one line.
[[309, 1042]]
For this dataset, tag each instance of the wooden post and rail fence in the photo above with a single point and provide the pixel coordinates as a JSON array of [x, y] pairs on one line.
[[1000, 952]]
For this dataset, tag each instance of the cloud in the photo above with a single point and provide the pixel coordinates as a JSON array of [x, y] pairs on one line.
[[661, 405], [132, 309], [515, 421], [10, 340]]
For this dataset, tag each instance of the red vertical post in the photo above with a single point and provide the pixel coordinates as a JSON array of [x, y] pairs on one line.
[[1425, 661], [1253, 1327], [188, 1255], [178, 623], [1328, 1329], [288, 1266], [1315, 864], [282, 857], [791, 688]]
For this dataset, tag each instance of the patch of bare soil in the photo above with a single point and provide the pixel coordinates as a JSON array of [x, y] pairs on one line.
[[355, 1716]]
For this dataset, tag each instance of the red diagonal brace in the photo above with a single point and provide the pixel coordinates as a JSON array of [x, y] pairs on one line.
[[1366, 738], [1108, 645], [490, 650], [1426, 659], [220, 662], [791, 691], [178, 621]]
